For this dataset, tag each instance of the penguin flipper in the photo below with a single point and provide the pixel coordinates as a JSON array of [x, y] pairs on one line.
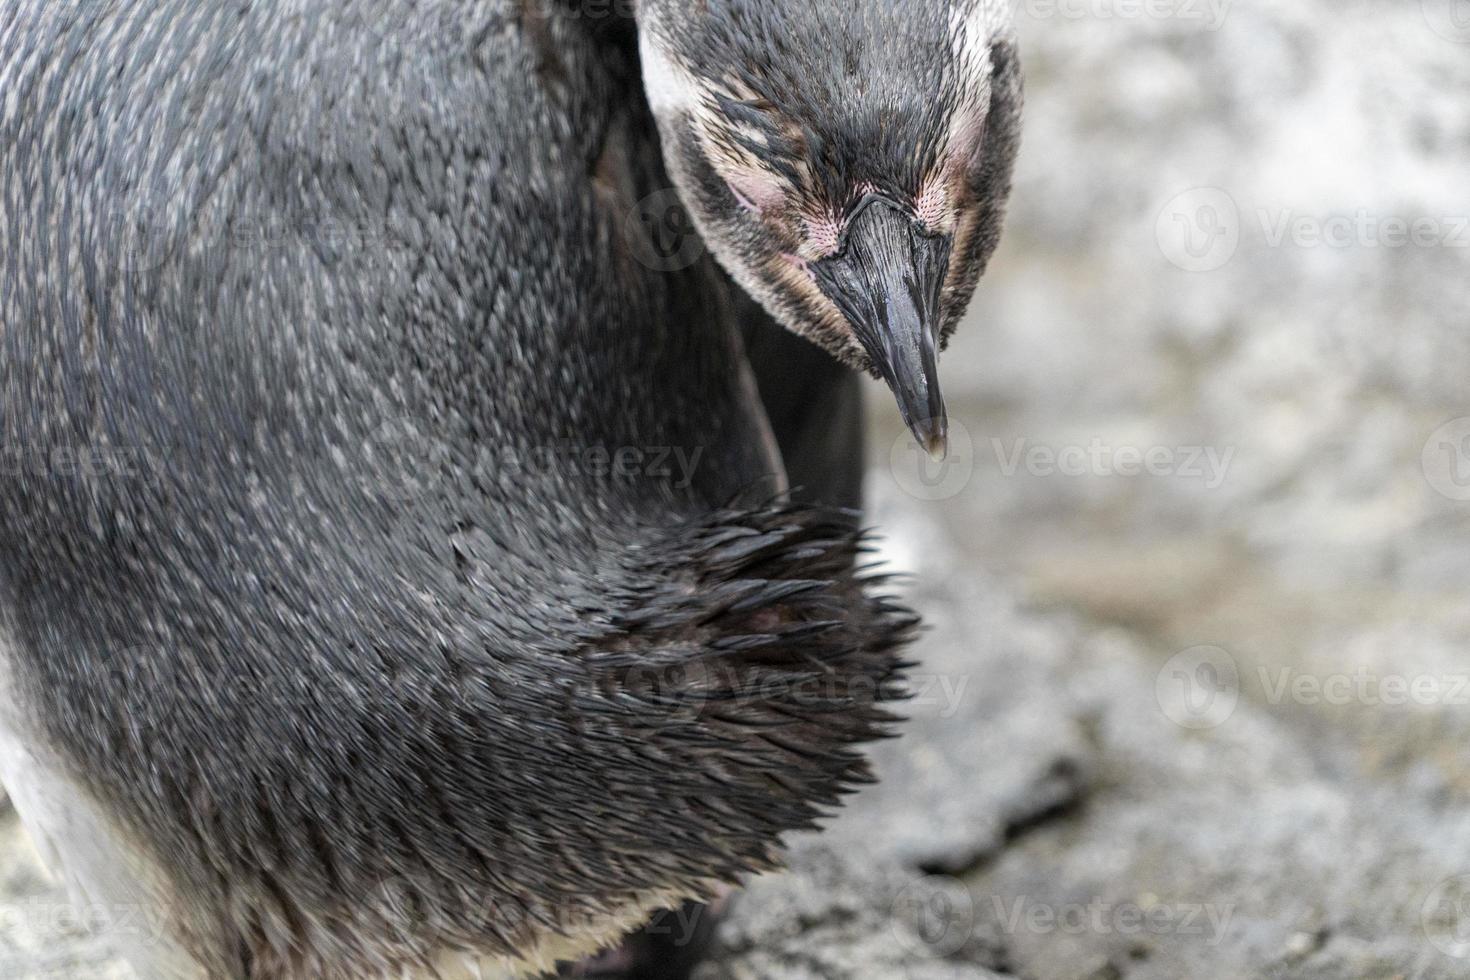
[[815, 405]]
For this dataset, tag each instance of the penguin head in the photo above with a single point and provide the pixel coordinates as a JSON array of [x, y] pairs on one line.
[[847, 161]]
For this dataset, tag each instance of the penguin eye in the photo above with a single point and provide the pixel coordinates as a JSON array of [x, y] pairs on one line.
[[745, 203], [755, 192], [928, 225], [934, 208]]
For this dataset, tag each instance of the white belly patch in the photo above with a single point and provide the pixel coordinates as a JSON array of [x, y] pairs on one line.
[[111, 885]]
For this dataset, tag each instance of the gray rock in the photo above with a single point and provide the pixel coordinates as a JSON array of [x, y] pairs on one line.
[[1069, 816], [837, 915]]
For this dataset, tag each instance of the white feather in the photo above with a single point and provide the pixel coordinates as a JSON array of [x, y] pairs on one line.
[[109, 880]]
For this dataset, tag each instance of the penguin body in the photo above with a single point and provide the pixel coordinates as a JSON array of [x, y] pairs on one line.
[[391, 583]]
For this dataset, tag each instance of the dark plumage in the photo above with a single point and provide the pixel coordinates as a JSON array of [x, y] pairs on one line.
[[821, 91], [360, 644]]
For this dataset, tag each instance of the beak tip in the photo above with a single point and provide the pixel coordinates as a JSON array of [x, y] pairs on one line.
[[933, 435]]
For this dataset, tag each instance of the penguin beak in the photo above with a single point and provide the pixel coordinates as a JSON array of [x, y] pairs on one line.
[[886, 279]]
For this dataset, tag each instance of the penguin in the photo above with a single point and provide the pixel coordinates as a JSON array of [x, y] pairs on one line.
[[398, 576], [848, 163], [393, 581]]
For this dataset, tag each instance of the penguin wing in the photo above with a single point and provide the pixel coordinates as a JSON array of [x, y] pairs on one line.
[[815, 407]]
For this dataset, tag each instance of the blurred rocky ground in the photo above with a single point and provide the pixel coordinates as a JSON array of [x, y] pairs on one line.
[[1196, 698], [1198, 690]]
